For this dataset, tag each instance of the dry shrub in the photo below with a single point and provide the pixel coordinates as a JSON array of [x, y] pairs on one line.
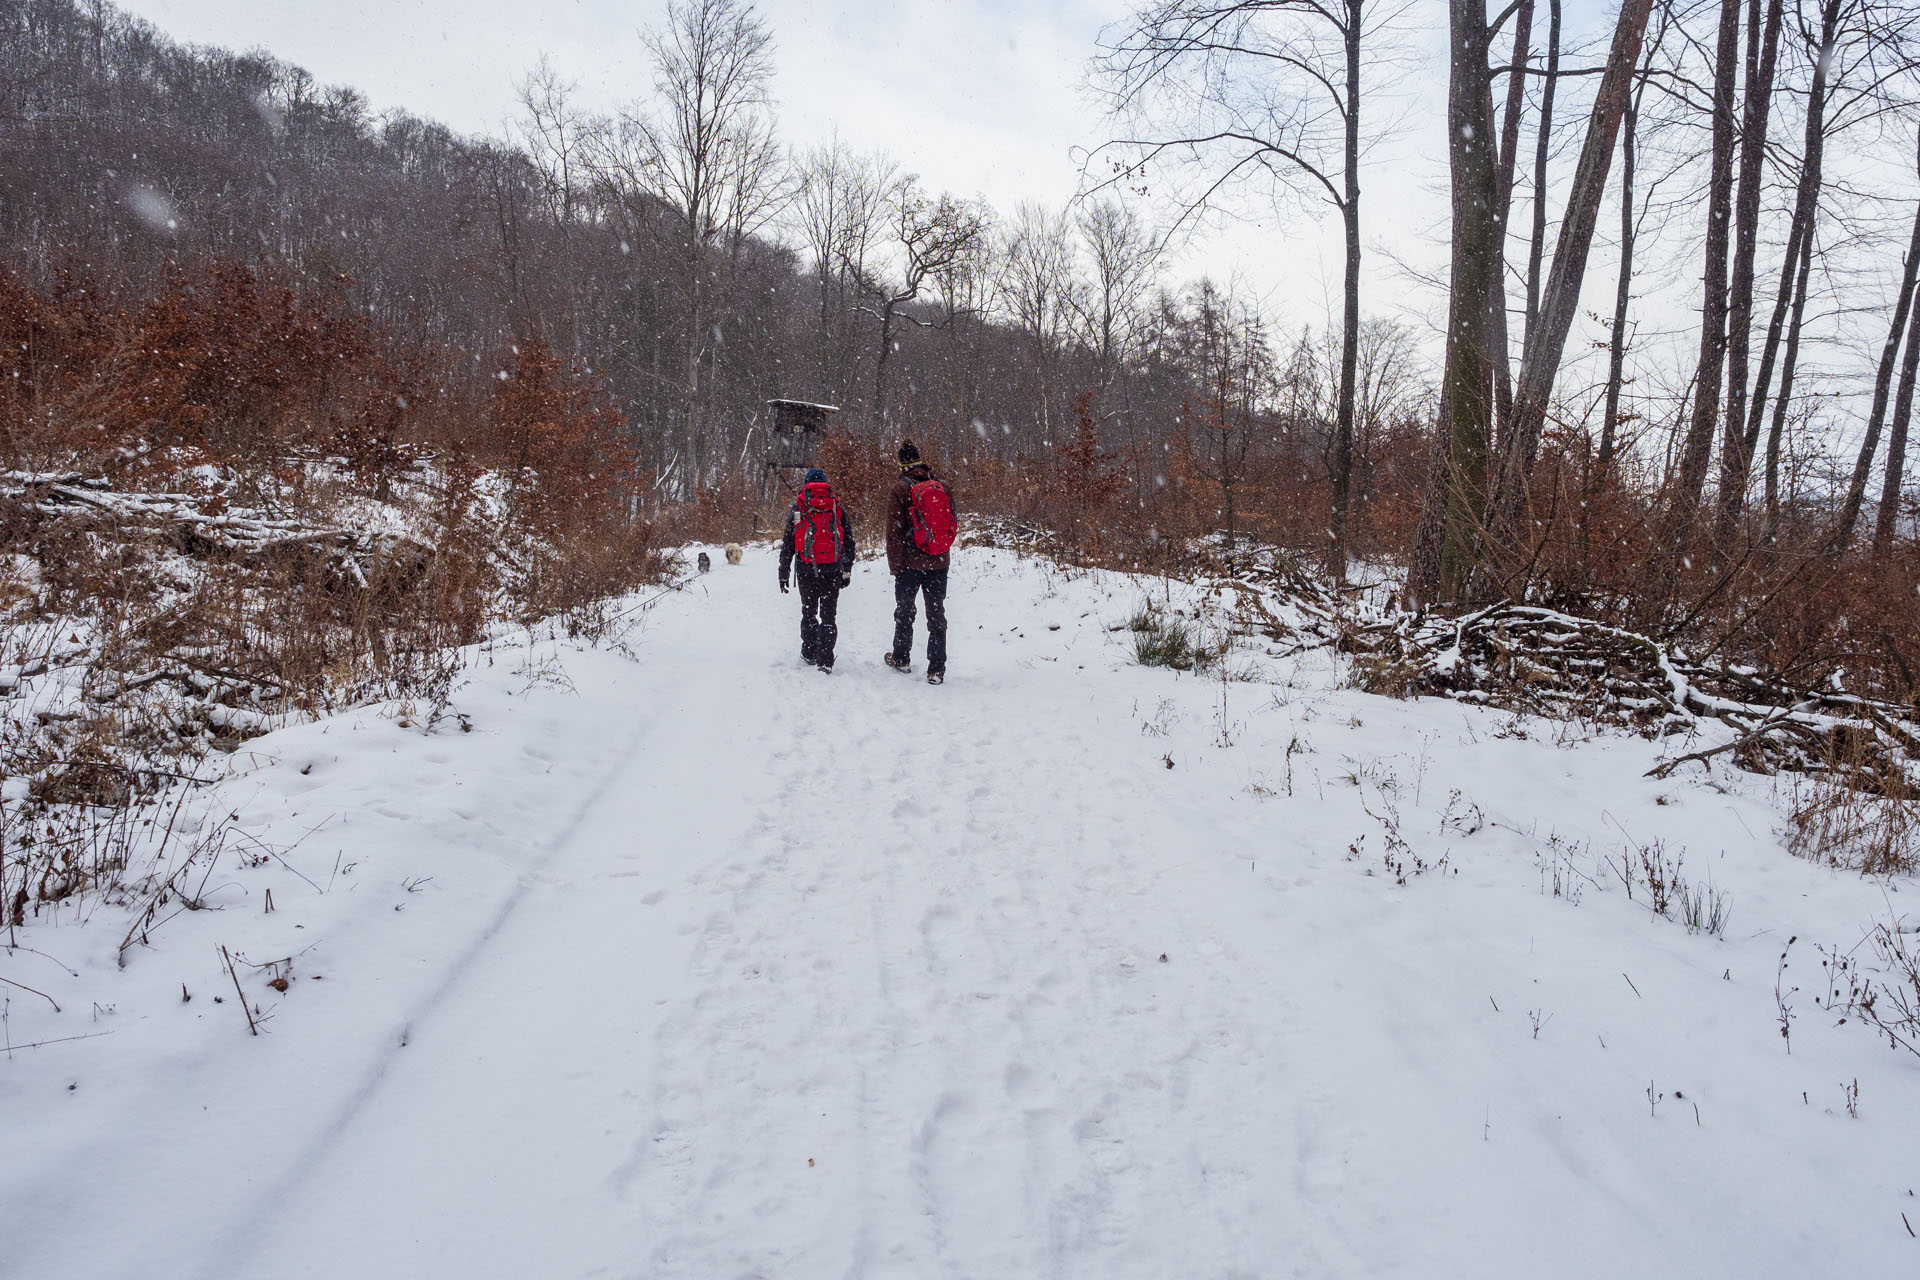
[[391, 522], [1081, 488], [1861, 811], [863, 471], [733, 510], [595, 562], [1784, 597], [1116, 493], [572, 487], [1087, 504], [552, 433], [222, 366], [1387, 675]]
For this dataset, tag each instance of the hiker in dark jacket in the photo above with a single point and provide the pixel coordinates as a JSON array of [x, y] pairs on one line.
[[915, 570], [820, 536]]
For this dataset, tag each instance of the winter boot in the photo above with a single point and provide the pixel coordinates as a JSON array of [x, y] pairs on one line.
[[936, 677], [898, 664]]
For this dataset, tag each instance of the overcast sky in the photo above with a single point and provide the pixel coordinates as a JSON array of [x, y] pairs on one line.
[[982, 97]]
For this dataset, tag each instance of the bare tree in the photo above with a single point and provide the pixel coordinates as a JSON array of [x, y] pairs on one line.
[[840, 214], [1232, 369], [1697, 455], [1453, 534], [1617, 341], [553, 134], [1547, 337], [1736, 449], [1858, 52], [710, 154], [1509, 127], [1391, 391], [928, 235], [966, 288], [1796, 264], [1889, 513], [1882, 388], [1266, 89], [1040, 294], [1466, 402], [1122, 258], [1542, 147]]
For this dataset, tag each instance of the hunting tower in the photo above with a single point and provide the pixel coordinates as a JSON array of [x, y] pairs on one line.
[[794, 442]]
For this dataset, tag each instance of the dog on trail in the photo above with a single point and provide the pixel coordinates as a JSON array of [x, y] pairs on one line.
[[703, 562], [733, 553]]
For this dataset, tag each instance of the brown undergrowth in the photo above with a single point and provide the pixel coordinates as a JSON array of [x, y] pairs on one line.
[[239, 503]]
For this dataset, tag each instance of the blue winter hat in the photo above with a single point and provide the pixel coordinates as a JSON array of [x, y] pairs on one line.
[[815, 475]]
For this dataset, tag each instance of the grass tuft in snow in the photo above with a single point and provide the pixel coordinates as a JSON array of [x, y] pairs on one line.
[[1161, 639], [1654, 877]]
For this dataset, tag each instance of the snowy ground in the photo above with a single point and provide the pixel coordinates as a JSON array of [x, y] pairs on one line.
[[700, 964]]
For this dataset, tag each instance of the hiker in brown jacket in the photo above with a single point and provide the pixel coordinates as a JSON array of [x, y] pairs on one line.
[[915, 569]]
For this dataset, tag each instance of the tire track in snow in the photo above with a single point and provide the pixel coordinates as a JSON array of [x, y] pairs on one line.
[[237, 1240]]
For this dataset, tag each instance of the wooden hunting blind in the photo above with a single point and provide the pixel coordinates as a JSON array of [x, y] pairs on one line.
[[794, 442]]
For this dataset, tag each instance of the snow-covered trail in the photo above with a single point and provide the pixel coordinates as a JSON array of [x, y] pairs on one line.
[[837, 975], [1034, 974]]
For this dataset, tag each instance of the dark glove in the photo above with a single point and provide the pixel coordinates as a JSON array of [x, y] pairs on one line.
[[783, 586], [846, 578]]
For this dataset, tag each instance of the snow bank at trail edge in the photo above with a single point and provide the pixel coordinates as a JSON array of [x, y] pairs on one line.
[[695, 962]]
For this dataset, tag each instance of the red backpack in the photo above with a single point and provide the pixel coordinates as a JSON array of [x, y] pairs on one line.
[[934, 524], [816, 530]]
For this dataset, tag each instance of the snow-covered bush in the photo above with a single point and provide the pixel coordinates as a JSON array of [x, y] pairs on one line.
[[239, 504]]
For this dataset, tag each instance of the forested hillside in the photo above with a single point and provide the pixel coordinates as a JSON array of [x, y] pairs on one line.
[[1739, 482], [817, 274]]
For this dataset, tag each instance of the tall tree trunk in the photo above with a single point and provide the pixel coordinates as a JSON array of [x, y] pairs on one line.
[[1546, 342], [1696, 457], [1897, 442], [1423, 570], [1503, 207], [1882, 389], [694, 476], [1776, 434], [1791, 299], [880, 365], [1350, 321], [1537, 249], [1475, 258], [1736, 449], [1622, 298], [1516, 105]]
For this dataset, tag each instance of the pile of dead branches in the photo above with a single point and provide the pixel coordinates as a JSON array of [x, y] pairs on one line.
[[1279, 597], [205, 528], [1538, 661]]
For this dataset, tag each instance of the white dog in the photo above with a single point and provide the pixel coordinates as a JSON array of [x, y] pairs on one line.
[[733, 553]]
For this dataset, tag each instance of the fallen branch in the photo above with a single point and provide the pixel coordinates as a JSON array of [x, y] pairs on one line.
[[91, 1035], [238, 992], [33, 991], [1542, 662]]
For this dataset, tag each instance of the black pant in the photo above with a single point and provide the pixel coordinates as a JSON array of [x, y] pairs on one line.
[[819, 602], [906, 585]]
